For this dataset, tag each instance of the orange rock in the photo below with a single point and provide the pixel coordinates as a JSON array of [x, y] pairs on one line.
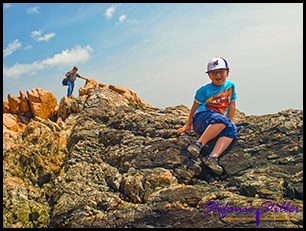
[[64, 109], [6, 107], [120, 90], [68, 106], [42, 102], [103, 85], [90, 85], [22, 95], [10, 122], [14, 103], [130, 94], [8, 133], [19, 105], [24, 107]]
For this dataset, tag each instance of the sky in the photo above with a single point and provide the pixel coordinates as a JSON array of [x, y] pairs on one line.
[[159, 50]]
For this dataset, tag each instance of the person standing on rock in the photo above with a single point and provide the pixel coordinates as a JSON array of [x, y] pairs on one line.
[[71, 75], [212, 114]]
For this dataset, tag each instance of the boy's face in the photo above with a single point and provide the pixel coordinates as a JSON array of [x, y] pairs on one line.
[[218, 77]]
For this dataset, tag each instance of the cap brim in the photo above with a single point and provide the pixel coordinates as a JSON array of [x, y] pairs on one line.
[[216, 69]]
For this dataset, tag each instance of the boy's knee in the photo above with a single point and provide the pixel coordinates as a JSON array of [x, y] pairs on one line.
[[229, 132]]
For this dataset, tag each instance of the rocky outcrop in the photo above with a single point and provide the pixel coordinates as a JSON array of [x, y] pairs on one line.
[[10, 122], [75, 105], [6, 107], [103, 85], [18, 105], [18, 111], [131, 95], [68, 106], [118, 164], [130, 168], [90, 85], [27, 169], [32, 160], [42, 102]]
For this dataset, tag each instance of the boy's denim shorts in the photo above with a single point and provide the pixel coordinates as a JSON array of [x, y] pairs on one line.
[[203, 119]]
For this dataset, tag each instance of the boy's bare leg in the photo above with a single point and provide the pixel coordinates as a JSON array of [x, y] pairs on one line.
[[211, 160], [220, 146], [211, 132]]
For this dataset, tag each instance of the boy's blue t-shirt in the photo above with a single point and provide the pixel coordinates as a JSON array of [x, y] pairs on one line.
[[214, 98]]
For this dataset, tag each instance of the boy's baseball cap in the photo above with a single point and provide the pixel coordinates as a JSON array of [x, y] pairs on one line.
[[216, 63]]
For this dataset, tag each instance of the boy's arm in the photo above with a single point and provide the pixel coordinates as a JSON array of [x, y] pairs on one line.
[[78, 75], [231, 110], [187, 128]]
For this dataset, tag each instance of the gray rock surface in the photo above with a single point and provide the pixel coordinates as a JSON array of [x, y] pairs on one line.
[[126, 165]]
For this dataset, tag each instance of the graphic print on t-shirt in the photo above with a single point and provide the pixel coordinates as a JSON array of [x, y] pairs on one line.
[[221, 101]]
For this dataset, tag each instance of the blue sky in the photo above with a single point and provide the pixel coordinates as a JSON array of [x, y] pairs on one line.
[[158, 50]]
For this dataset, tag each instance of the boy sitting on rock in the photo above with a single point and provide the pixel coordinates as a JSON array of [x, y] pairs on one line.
[[212, 114]]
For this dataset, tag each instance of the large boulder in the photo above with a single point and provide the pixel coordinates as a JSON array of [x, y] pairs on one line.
[[10, 122], [24, 107], [11, 125], [42, 102], [68, 106], [16, 114], [14, 103], [19, 105], [90, 85]]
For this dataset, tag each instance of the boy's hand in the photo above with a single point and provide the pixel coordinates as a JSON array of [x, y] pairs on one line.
[[187, 128]]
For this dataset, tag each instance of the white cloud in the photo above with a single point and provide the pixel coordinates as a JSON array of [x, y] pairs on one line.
[[11, 47], [33, 10], [29, 47], [74, 56], [37, 35], [46, 37], [109, 12], [6, 6], [123, 18]]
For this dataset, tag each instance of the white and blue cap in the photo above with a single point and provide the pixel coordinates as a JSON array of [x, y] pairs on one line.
[[216, 63]]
